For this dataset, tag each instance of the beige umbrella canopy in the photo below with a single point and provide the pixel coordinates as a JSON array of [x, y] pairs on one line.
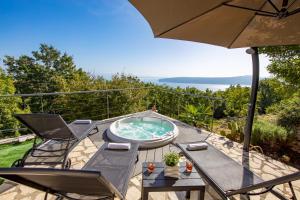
[[227, 23], [231, 24]]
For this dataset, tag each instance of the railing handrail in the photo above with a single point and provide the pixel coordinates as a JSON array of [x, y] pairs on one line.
[[195, 95], [75, 92], [109, 107], [105, 90]]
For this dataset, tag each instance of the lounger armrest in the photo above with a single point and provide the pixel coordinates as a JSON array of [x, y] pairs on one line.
[[271, 183]]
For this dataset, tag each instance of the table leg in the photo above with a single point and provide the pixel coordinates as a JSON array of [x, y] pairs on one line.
[[188, 195], [202, 194], [144, 195]]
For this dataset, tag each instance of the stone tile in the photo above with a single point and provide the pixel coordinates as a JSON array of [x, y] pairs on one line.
[[135, 181], [79, 148], [133, 193], [172, 196], [90, 150], [157, 195], [10, 195], [75, 154], [26, 190], [78, 165], [268, 169]]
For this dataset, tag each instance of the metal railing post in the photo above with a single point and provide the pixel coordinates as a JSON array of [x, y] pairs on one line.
[[42, 104], [212, 116], [178, 106], [107, 104]]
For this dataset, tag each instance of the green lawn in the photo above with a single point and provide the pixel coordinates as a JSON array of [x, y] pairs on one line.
[[11, 152]]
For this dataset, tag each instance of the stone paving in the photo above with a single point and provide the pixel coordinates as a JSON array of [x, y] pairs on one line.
[[79, 156], [263, 166]]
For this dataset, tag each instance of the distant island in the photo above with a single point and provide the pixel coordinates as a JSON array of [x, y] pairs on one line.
[[242, 80]]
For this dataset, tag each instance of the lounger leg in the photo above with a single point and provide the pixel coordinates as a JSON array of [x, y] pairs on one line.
[[46, 196], [247, 197], [188, 195], [292, 190], [59, 198]]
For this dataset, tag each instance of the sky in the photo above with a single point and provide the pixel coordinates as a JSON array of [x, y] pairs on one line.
[[111, 36]]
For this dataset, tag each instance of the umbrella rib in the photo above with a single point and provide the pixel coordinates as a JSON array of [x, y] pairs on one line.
[[187, 21], [250, 9], [243, 29], [294, 11], [273, 5]]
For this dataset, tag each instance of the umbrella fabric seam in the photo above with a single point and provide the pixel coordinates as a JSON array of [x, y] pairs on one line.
[[247, 24], [187, 21]]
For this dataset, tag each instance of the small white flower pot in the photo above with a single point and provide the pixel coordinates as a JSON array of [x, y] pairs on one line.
[[172, 171]]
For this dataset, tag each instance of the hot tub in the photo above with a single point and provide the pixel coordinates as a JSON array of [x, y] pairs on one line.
[[149, 132]]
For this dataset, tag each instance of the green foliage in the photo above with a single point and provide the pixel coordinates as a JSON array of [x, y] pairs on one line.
[[236, 130], [237, 99], [267, 133], [171, 159], [272, 91], [223, 133], [197, 116], [47, 70], [288, 112], [285, 62], [11, 152], [8, 105]]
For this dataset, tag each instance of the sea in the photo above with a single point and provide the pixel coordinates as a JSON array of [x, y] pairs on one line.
[[155, 80], [212, 87]]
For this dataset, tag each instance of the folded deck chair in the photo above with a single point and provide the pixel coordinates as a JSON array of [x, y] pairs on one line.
[[228, 178], [58, 139], [105, 176]]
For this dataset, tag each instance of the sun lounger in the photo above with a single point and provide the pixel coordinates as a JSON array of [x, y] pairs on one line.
[[228, 178], [105, 176], [58, 139]]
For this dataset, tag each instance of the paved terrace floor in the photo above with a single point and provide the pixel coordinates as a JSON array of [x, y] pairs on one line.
[[263, 166]]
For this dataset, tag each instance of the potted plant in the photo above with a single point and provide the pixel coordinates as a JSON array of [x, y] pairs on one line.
[[172, 164]]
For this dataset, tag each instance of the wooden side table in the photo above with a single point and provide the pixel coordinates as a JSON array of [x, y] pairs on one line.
[[157, 182]]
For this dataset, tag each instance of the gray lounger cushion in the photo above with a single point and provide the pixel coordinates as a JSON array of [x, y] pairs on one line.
[[222, 172]]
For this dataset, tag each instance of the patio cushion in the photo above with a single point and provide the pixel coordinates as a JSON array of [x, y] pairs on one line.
[[220, 170]]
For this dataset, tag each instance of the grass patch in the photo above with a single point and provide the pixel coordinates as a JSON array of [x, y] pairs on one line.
[[268, 133], [11, 152]]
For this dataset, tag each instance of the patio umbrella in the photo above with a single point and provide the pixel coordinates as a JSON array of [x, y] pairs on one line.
[[227, 23]]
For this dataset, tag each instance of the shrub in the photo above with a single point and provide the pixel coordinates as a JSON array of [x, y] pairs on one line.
[[289, 114], [199, 116], [268, 133], [171, 159], [237, 98], [236, 130]]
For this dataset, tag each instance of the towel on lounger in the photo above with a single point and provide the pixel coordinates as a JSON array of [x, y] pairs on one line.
[[83, 121], [119, 146], [197, 146]]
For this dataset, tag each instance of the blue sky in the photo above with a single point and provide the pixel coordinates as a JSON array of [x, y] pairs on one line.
[[110, 36]]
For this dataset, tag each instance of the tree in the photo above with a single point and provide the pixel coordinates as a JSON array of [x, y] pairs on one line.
[[8, 106], [272, 91], [39, 72], [43, 72], [285, 62], [237, 99]]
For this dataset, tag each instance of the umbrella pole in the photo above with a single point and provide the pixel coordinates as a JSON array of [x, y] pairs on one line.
[[254, 87]]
